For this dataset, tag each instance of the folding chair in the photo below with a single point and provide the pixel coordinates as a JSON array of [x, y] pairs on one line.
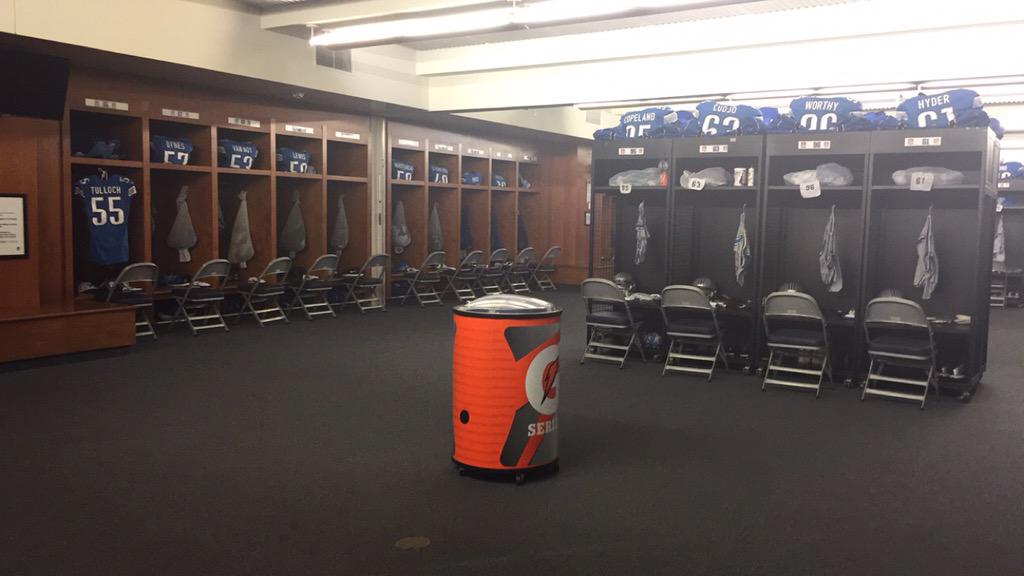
[[609, 320], [690, 320], [266, 291], [492, 277], [521, 271], [199, 303], [542, 271], [423, 284], [898, 334], [462, 279], [122, 292], [366, 287], [998, 292], [312, 289], [797, 339]]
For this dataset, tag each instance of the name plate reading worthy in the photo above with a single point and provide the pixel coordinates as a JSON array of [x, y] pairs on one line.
[[922, 141], [714, 148], [631, 151], [244, 122], [348, 135], [180, 114], [106, 104], [298, 129], [814, 145]]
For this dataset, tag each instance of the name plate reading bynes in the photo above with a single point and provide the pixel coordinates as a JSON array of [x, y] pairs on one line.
[[444, 147], [348, 135], [244, 122], [180, 114], [714, 148], [814, 145], [504, 155], [476, 152], [409, 143], [298, 129], [106, 104], [922, 141], [631, 151], [529, 158]]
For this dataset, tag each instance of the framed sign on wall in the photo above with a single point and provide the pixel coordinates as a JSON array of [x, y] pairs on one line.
[[13, 226]]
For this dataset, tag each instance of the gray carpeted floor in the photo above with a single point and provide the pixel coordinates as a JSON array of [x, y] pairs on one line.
[[312, 448]]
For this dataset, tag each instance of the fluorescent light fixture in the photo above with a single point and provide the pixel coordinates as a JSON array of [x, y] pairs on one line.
[[636, 104], [454, 23], [771, 94], [841, 90], [965, 82]]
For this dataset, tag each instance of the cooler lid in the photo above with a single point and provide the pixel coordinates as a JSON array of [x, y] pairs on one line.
[[507, 305]]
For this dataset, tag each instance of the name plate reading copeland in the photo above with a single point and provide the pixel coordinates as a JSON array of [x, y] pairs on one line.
[[631, 151], [298, 129], [106, 104], [244, 122], [180, 114], [444, 147], [922, 141], [348, 135], [814, 145], [409, 143], [714, 148]]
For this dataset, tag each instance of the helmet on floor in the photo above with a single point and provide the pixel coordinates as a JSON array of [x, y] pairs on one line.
[[624, 280]]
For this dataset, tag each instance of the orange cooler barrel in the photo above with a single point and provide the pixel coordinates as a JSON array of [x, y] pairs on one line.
[[505, 383]]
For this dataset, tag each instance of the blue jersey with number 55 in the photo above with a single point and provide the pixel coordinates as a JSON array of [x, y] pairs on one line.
[[725, 119], [106, 201], [232, 154], [940, 110], [814, 114]]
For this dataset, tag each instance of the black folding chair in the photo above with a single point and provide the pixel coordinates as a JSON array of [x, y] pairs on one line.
[[521, 271], [797, 340], [423, 284], [541, 273], [609, 321], [898, 334], [266, 291], [122, 292], [311, 291], [492, 277], [366, 287], [462, 279], [199, 301], [690, 322]]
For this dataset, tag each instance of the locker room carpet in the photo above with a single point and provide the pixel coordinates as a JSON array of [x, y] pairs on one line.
[[312, 448]]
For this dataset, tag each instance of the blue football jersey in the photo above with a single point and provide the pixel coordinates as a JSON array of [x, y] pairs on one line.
[[106, 201], [776, 122], [675, 129], [1010, 170], [638, 123], [940, 110], [725, 119], [170, 150], [232, 154], [402, 170], [498, 181], [820, 114], [472, 178], [616, 133], [439, 174], [290, 160]]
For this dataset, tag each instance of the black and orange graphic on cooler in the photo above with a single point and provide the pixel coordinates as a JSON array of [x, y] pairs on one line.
[[505, 390]]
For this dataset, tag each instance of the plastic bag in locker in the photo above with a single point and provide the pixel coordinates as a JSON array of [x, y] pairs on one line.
[[830, 174], [183, 235], [645, 177], [943, 176], [713, 177]]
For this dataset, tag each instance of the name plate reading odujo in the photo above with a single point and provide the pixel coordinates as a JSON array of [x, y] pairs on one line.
[[244, 122], [922, 141], [298, 129], [631, 151], [106, 104], [180, 114], [476, 152], [503, 155], [529, 158], [714, 148], [814, 145], [348, 135], [409, 143], [444, 147]]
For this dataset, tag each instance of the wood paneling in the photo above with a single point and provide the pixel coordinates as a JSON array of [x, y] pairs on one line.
[[62, 330]]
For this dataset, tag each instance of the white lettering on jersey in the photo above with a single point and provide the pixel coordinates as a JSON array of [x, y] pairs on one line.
[[933, 101]]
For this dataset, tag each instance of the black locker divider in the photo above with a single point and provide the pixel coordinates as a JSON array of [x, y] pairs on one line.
[[792, 233], [613, 157], [703, 226], [963, 226]]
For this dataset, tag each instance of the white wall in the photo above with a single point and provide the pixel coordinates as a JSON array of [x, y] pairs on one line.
[[7, 16]]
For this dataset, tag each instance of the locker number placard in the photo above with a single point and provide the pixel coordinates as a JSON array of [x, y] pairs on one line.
[[810, 189], [696, 183], [922, 181]]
